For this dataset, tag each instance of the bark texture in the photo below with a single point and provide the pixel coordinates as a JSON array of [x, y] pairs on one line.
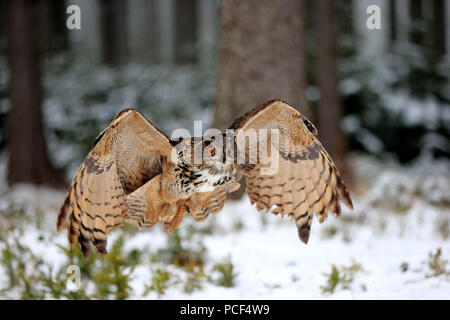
[[261, 56], [28, 158]]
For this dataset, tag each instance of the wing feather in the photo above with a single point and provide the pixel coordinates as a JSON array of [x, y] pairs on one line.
[[126, 154], [306, 181]]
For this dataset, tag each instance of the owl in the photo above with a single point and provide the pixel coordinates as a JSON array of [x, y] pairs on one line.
[[135, 173]]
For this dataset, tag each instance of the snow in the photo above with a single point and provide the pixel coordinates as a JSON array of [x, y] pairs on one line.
[[395, 223]]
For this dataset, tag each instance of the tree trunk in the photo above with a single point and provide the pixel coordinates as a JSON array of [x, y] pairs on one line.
[[59, 31], [2, 27], [439, 25], [416, 29], [185, 31], [53, 31], [261, 56], [207, 32], [143, 32], [329, 107], [166, 27], [113, 22], [28, 159], [393, 32]]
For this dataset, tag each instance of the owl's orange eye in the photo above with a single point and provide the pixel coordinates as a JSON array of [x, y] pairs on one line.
[[211, 151]]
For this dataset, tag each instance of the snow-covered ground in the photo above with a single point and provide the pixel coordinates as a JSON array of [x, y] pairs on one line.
[[401, 216]]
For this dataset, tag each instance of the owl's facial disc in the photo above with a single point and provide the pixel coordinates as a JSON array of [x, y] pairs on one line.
[[219, 151], [201, 151]]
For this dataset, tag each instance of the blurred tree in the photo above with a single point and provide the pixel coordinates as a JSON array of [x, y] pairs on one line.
[[28, 159], [393, 32], [439, 26], [52, 25], [3, 91], [329, 106], [166, 27], [113, 25], [2, 28], [185, 31], [143, 33], [260, 58], [417, 28], [207, 32]]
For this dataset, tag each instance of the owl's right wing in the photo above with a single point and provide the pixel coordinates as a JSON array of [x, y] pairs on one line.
[[126, 154]]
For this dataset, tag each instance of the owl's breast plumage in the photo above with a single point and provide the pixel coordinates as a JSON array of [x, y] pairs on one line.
[[192, 179]]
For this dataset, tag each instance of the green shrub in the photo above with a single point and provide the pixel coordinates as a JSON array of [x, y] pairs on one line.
[[115, 272], [227, 276], [194, 278], [340, 277], [179, 254], [159, 283]]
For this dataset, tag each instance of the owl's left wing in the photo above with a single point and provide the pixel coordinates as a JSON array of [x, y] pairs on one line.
[[304, 182]]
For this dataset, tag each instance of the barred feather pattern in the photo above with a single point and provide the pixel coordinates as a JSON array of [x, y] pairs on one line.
[[306, 181], [202, 204], [129, 175], [145, 204], [95, 204], [300, 189], [126, 156]]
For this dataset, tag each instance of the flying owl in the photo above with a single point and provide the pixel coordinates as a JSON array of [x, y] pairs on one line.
[[135, 173]]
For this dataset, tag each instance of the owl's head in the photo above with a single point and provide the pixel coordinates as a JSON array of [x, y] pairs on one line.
[[206, 151]]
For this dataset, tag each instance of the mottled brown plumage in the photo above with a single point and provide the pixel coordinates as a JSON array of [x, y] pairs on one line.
[[135, 173], [307, 181]]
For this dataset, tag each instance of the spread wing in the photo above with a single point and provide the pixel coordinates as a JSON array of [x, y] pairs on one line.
[[305, 181], [126, 154]]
